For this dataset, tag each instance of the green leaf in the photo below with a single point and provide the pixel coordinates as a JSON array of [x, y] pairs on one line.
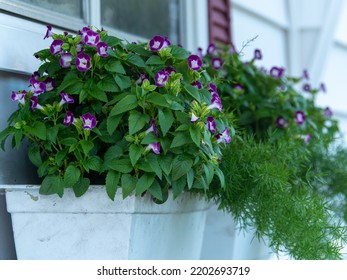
[[52, 133], [108, 84], [136, 60], [154, 164], [135, 152], [60, 156], [166, 120], [112, 181], [221, 177], [128, 103], [123, 82], [81, 187], [144, 183], [190, 178], [193, 92], [113, 152], [179, 53], [71, 176], [174, 102], [157, 99], [114, 66], [52, 185], [120, 165], [209, 173], [35, 155], [87, 146], [155, 190], [18, 136], [94, 163], [154, 59], [112, 123], [181, 138], [74, 88], [149, 139], [98, 94], [68, 141], [195, 134], [137, 121], [180, 167], [166, 163], [138, 49], [178, 186], [38, 130], [128, 184], [71, 78], [112, 41], [42, 170]]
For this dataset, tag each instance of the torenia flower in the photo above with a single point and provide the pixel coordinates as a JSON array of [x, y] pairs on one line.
[[56, 47], [299, 117], [83, 33], [49, 84], [141, 78], [328, 112], [212, 88], [306, 138], [199, 53], [166, 43], [156, 43], [66, 98], [102, 49], [238, 87], [257, 54], [49, 32], [197, 84], [305, 75], [194, 62], [19, 96], [306, 87], [37, 86], [65, 60], [217, 63], [152, 128], [35, 104], [92, 38], [155, 147], [83, 62], [194, 118], [323, 88], [89, 121], [211, 124], [69, 118], [224, 137], [211, 49], [277, 72], [170, 70], [281, 122], [161, 78], [216, 102]]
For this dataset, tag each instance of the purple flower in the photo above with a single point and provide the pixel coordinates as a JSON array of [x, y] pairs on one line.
[[217, 63], [152, 128], [161, 78], [238, 87], [194, 118], [155, 147], [83, 33], [66, 98], [92, 38], [194, 62], [281, 122], [299, 117], [69, 118], [35, 104], [48, 32], [211, 49], [35, 75], [166, 43], [65, 60], [170, 70], [305, 75], [232, 48], [197, 84], [37, 86], [257, 54], [83, 62], [89, 121], [156, 43], [102, 49], [277, 72], [216, 102], [79, 48], [323, 88], [19, 96], [224, 136], [49, 84], [212, 88], [328, 112], [306, 138], [56, 47], [306, 87], [141, 78], [211, 124], [199, 53]]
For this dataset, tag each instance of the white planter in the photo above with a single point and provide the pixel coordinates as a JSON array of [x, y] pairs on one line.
[[94, 227]]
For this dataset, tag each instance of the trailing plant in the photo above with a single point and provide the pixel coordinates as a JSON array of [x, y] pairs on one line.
[[124, 111]]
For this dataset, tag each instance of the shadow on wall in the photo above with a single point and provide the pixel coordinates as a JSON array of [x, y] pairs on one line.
[[15, 167]]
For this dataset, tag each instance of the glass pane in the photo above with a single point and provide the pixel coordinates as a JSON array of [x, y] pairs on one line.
[[72, 8], [144, 18]]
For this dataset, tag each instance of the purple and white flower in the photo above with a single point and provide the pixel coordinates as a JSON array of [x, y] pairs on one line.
[[49, 32], [166, 43], [79, 48], [152, 128], [224, 137], [69, 118], [91, 38], [323, 87], [306, 87], [211, 124], [276, 72], [102, 49], [83, 33], [238, 87], [89, 121], [257, 54], [155, 147], [211, 49], [217, 63], [35, 75], [65, 60], [194, 118], [37, 86], [194, 62], [306, 138], [35, 104], [83, 62], [232, 48], [197, 84], [305, 75], [216, 102], [141, 78], [328, 112], [161, 78], [49, 84], [156, 43], [66, 98], [199, 53], [212, 88], [170, 70], [56, 47], [281, 122], [20, 96], [299, 117]]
